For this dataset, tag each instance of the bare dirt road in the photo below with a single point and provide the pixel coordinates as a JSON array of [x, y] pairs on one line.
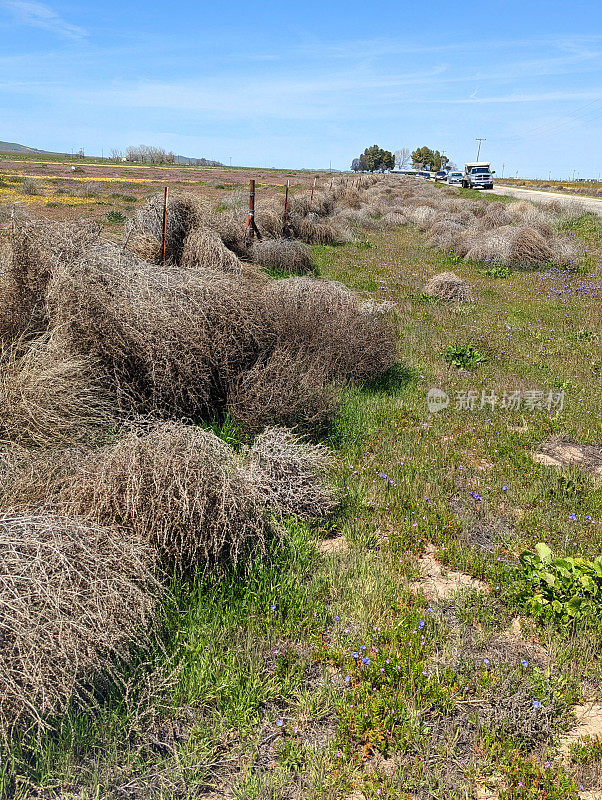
[[592, 204]]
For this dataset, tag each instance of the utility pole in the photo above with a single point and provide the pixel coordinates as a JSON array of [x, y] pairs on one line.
[[479, 140], [503, 165]]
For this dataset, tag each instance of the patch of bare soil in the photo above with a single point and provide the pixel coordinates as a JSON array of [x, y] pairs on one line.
[[589, 723], [522, 631], [566, 453], [438, 583], [484, 793], [337, 544]]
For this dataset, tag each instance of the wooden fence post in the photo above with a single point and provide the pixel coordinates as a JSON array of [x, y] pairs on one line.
[[285, 221], [250, 226]]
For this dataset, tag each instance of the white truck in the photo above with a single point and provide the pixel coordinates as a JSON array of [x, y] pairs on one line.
[[478, 175]]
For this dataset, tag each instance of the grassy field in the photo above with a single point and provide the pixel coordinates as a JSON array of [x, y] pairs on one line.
[[388, 652], [93, 189]]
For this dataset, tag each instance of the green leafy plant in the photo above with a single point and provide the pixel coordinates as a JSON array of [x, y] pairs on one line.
[[497, 271], [560, 589], [584, 335], [115, 217], [527, 779], [587, 750], [464, 356]]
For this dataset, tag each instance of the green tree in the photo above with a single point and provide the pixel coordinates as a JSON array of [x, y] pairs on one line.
[[425, 157], [375, 158], [387, 160]]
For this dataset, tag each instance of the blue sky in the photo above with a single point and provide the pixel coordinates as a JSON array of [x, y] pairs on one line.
[[307, 84]]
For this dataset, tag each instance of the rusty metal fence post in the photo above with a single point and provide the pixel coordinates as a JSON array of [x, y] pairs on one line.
[[164, 248]]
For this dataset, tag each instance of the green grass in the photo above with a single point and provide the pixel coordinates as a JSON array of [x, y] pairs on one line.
[[262, 692]]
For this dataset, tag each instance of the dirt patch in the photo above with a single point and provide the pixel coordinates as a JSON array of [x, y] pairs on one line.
[[566, 453], [484, 793], [588, 723], [438, 583], [522, 631], [338, 544]]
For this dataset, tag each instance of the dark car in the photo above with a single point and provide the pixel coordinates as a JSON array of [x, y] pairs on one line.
[[441, 175]]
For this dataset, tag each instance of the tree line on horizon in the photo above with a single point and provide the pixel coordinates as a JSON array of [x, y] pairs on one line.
[[150, 154], [376, 159]]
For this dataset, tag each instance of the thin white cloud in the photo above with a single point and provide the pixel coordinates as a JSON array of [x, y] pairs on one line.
[[534, 97], [284, 97], [39, 15]]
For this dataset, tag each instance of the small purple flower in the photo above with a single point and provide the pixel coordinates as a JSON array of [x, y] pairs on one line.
[[504, 488], [280, 723], [355, 655], [273, 607], [572, 515], [336, 618], [524, 663], [486, 662], [536, 704], [347, 678], [362, 647], [365, 660], [421, 624]]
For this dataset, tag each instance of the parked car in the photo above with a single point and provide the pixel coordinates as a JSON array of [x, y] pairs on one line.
[[455, 177], [441, 175]]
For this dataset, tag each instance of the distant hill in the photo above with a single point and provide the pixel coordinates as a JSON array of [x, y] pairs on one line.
[[199, 162], [13, 147]]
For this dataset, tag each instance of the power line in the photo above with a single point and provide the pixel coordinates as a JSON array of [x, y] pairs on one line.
[[570, 119]]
